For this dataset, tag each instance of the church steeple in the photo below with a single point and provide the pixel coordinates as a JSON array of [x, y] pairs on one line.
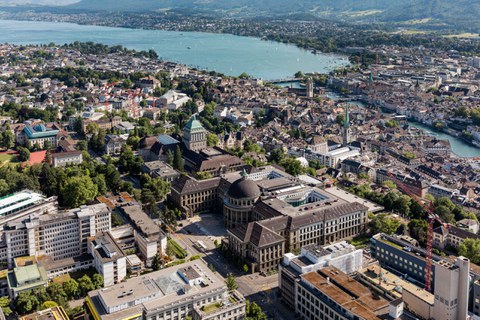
[[346, 128]]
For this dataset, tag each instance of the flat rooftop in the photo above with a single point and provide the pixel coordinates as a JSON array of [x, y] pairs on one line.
[[156, 290], [347, 292], [394, 284], [18, 201], [141, 220], [350, 197]]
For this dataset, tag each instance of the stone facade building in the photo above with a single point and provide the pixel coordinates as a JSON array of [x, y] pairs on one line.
[[194, 135]]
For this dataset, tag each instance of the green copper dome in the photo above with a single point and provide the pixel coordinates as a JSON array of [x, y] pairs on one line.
[[193, 125]]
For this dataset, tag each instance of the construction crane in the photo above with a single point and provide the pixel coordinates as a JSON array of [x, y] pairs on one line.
[[428, 206]]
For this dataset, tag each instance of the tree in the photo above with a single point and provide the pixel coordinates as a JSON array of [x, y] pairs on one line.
[[470, 248], [292, 166], [177, 159], [5, 305], [462, 111], [78, 190], [23, 154], [112, 177], [231, 283], [7, 139], [212, 139], [82, 145], [156, 262], [97, 280], [26, 302], [85, 285], [57, 293], [418, 230], [4, 188], [71, 288], [276, 155], [170, 157], [389, 184], [99, 180], [299, 74], [254, 312], [384, 223], [170, 251], [48, 304]]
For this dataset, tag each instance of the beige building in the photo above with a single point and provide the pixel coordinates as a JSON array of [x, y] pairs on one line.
[[451, 236], [194, 196], [194, 135], [190, 289], [239, 202]]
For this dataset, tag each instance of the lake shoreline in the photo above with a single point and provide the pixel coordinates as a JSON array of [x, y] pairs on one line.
[[264, 59]]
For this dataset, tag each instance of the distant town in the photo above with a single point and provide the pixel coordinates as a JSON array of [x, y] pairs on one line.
[[135, 188]]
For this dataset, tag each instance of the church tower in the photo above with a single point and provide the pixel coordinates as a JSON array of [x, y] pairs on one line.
[[194, 135], [309, 88], [346, 128]]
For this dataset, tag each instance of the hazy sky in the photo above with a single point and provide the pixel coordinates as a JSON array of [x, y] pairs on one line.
[[49, 2]]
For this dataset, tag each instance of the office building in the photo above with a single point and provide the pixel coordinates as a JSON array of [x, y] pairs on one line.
[[190, 289], [148, 236], [404, 257], [60, 235], [329, 294], [341, 255], [108, 258]]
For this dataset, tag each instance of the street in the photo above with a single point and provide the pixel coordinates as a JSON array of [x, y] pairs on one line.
[[254, 287]]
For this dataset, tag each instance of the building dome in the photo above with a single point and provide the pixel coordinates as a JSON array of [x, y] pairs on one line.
[[244, 188], [193, 125], [40, 128]]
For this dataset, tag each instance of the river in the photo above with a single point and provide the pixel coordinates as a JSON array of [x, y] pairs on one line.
[[459, 147], [228, 54]]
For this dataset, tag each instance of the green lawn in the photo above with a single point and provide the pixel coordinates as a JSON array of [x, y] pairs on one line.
[[360, 242], [7, 158], [211, 307]]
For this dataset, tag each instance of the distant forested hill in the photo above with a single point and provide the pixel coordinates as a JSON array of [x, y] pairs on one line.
[[453, 13]]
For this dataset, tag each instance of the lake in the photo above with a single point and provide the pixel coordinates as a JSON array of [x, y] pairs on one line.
[[228, 54]]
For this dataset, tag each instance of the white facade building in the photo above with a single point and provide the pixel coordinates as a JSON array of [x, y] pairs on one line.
[[108, 258], [61, 235]]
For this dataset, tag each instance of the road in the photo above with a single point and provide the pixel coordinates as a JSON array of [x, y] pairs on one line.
[[254, 287]]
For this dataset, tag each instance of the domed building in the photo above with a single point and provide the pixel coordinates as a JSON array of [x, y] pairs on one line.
[[239, 201]]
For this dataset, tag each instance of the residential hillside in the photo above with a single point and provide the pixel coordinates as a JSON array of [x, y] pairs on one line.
[[450, 12]]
